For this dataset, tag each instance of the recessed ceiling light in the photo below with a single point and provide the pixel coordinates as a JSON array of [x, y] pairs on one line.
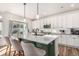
[[72, 5], [0, 17]]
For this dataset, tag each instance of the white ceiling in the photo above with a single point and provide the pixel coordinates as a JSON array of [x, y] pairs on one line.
[[45, 9]]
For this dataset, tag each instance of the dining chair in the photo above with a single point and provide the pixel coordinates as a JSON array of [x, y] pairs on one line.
[[16, 47], [31, 50], [8, 44]]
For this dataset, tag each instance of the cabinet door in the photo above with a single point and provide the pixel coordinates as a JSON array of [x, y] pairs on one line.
[[76, 41], [70, 40], [63, 39], [66, 39], [60, 39]]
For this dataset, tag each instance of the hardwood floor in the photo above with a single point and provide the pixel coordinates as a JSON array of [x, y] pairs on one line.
[[68, 51], [3, 50], [63, 51]]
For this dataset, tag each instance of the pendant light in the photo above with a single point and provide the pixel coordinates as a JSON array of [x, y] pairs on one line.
[[37, 16], [24, 12]]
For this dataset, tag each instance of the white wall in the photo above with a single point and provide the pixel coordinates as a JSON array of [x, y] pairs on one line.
[[14, 17], [5, 30], [6, 19], [65, 20]]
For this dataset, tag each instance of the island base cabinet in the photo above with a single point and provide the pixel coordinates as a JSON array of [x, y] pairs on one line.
[[50, 48]]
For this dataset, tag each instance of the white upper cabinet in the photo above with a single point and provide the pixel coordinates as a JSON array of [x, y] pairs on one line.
[[65, 20], [75, 20]]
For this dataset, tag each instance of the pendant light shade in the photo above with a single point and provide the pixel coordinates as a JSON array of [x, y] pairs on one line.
[[24, 12], [37, 16]]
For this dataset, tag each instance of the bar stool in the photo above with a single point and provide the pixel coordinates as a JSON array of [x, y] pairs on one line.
[[16, 47], [8, 44], [31, 50]]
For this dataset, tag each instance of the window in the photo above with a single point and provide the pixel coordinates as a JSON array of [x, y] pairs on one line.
[[18, 29]]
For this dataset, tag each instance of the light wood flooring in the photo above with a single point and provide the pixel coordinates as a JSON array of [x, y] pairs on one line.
[[12, 52], [63, 51], [68, 51]]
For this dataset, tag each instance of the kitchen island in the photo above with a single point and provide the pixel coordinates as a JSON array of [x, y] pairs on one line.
[[46, 42]]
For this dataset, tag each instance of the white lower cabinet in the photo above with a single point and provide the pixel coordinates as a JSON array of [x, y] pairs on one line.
[[71, 40], [76, 41]]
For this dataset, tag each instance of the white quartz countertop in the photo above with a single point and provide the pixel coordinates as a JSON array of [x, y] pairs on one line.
[[46, 39]]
